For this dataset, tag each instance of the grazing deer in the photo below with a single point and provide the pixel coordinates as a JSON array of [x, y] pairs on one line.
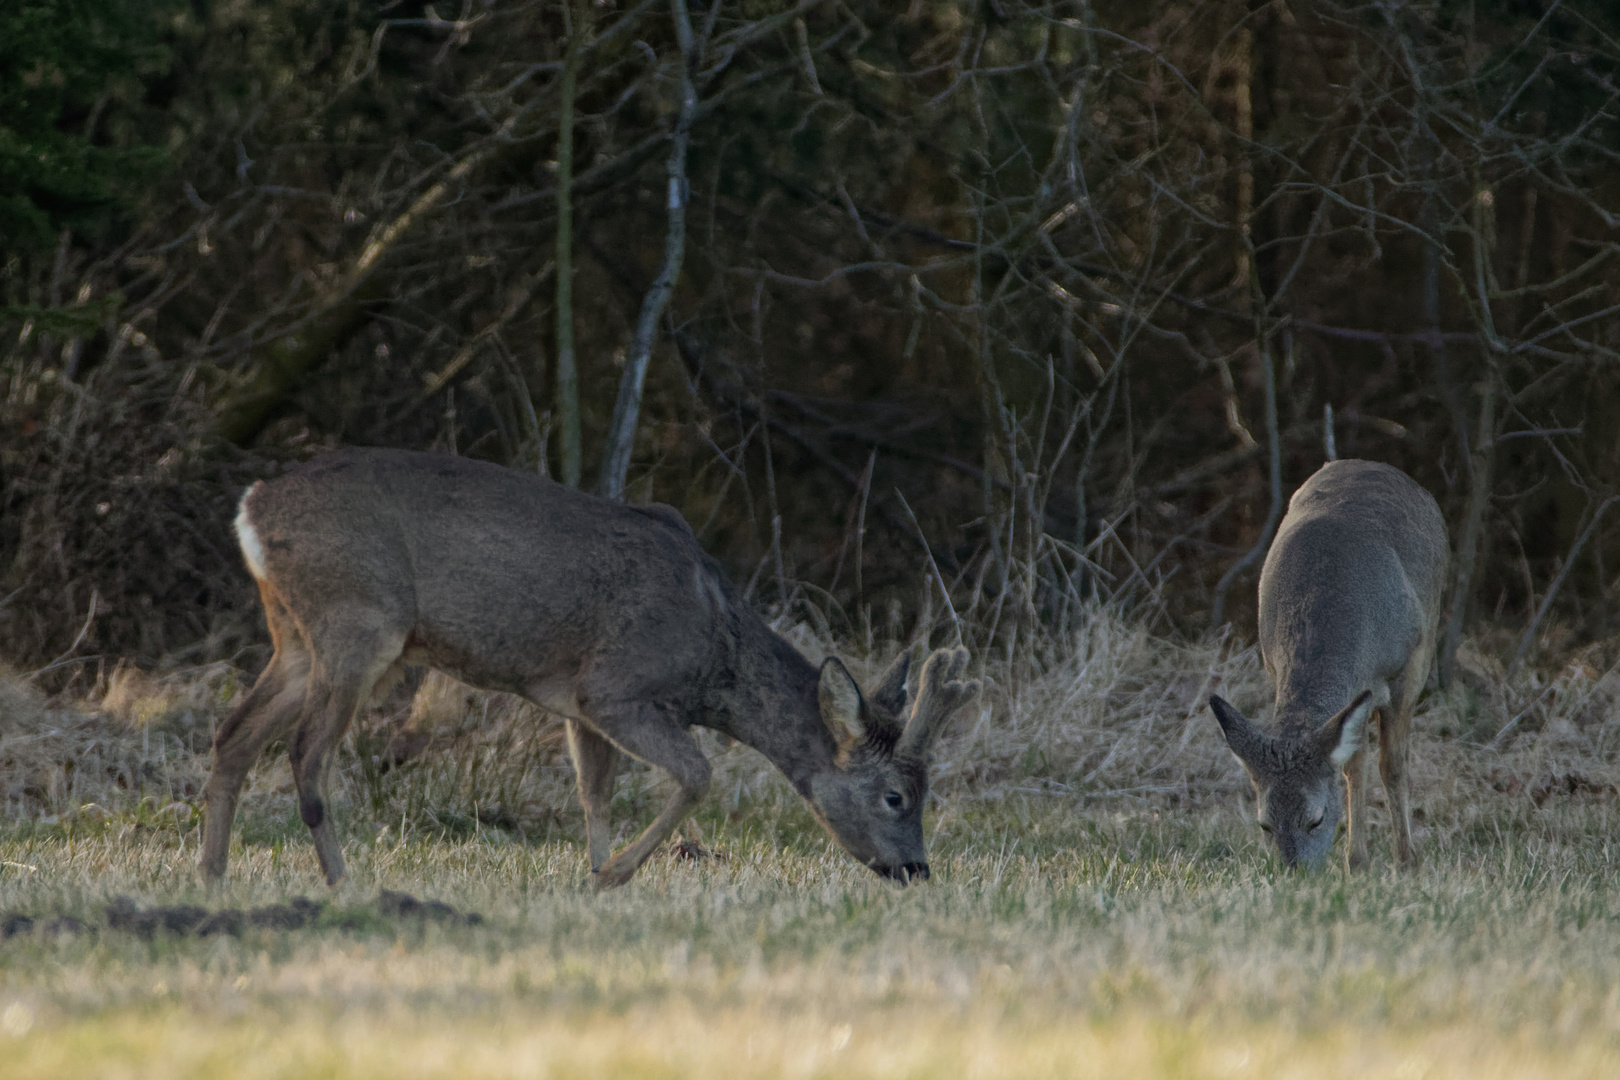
[[1349, 612], [610, 615]]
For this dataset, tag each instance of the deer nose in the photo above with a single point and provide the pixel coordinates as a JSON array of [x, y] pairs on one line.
[[1294, 864], [905, 874]]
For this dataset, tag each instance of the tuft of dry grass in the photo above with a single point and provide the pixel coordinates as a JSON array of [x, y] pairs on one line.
[[143, 741]]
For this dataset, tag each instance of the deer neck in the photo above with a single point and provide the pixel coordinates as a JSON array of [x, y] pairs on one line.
[[1323, 651], [1309, 694], [770, 703]]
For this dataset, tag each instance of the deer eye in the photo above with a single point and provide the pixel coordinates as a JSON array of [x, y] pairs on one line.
[[894, 799], [1317, 824], [1266, 825]]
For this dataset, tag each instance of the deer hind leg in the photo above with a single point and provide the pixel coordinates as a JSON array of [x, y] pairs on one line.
[[343, 678], [267, 712], [1355, 782], [595, 763], [643, 732]]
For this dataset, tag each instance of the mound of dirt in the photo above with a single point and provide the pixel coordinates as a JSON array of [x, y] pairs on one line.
[[189, 920], [405, 906]]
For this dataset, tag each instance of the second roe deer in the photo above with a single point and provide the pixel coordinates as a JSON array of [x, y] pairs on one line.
[[610, 615], [1349, 614]]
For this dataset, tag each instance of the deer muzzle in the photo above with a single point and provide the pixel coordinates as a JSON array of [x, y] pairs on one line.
[[906, 874]]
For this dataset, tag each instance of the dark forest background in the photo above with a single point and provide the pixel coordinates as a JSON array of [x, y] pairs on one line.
[[983, 307]]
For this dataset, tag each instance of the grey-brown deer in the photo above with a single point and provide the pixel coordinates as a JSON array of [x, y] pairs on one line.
[[1349, 613], [609, 615]]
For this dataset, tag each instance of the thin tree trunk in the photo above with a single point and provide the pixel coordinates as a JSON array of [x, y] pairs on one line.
[[1243, 105], [1429, 224], [1479, 497], [627, 409], [1483, 458], [566, 406], [1217, 613]]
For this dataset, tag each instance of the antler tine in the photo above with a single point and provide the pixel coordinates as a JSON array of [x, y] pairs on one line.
[[940, 693]]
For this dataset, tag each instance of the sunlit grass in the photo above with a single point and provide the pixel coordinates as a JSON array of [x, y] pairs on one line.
[[677, 1040]]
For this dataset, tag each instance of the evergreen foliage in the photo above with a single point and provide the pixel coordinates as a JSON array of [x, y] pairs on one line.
[[74, 74]]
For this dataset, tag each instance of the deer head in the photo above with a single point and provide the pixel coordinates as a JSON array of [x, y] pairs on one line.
[[872, 800], [1297, 781]]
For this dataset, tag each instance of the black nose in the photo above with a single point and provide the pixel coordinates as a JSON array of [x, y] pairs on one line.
[[911, 871]]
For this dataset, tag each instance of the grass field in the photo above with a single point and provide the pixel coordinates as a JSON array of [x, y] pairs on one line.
[[1087, 916]]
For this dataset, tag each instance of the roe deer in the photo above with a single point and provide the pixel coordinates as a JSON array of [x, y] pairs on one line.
[[610, 615], [1349, 611]]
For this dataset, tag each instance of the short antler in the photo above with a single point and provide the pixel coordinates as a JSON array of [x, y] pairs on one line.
[[940, 693]]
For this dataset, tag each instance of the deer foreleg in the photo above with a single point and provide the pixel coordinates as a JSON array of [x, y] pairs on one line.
[[1394, 748], [1355, 795], [641, 731], [595, 764]]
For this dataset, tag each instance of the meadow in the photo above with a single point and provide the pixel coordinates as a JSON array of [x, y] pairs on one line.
[[1101, 903]]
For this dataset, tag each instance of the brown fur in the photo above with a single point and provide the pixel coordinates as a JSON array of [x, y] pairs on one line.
[[609, 615]]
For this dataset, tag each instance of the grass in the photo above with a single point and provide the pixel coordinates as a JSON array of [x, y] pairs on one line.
[[1101, 904], [1055, 947]]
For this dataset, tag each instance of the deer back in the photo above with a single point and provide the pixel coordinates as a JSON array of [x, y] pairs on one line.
[[1350, 588], [499, 578]]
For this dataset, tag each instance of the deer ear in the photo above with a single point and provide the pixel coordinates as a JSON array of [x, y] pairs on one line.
[[1346, 733], [1242, 739], [891, 689], [841, 705]]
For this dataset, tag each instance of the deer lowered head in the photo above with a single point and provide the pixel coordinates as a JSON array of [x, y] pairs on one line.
[[871, 801], [1296, 775]]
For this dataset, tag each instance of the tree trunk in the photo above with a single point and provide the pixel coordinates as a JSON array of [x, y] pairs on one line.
[[627, 409], [566, 406]]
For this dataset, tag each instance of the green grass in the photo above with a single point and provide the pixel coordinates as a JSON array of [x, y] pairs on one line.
[[1051, 942]]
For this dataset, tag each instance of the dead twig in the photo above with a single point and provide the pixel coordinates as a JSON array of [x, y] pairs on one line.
[[64, 658], [1529, 634]]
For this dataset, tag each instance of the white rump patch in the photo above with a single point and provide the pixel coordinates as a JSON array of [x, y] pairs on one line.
[[252, 549]]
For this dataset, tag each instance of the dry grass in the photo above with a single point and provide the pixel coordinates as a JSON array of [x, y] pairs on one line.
[[1114, 719], [1101, 905]]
